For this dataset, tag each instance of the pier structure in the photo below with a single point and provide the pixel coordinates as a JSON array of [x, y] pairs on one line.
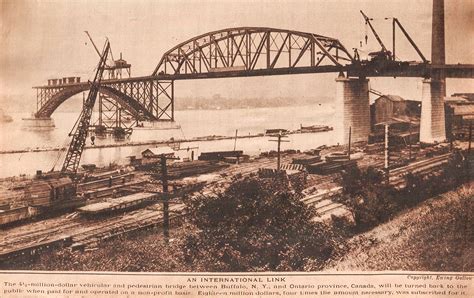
[[432, 125], [352, 103]]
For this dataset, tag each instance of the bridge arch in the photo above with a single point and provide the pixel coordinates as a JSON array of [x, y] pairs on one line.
[[252, 48], [132, 106]]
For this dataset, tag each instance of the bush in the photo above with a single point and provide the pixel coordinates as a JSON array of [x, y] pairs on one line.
[[419, 188], [256, 225], [369, 200]]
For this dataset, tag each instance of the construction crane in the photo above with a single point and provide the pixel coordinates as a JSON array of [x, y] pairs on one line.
[[396, 22], [79, 131], [116, 67], [383, 54], [95, 47]]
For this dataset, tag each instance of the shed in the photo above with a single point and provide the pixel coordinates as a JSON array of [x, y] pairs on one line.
[[153, 155], [388, 107], [157, 152]]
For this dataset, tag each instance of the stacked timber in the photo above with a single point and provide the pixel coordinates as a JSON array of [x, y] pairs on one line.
[[273, 153], [307, 160], [191, 168], [105, 181], [314, 152], [315, 168], [108, 191], [102, 175], [374, 148], [122, 203], [13, 215], [334, 162], [325, 168], [337, 157], [236, 159]]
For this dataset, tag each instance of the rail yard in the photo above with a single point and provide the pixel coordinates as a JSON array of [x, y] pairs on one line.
[[122, 200]]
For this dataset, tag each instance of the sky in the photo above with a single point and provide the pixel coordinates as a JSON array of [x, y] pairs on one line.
[[43, 39]]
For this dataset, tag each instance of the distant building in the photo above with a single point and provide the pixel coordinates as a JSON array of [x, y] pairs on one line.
[[393, 107], [402, 115], [153, 155], [467, 96], [459, 115]]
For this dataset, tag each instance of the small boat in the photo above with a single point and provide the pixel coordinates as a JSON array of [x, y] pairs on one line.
[[276, 131], [314, 128]]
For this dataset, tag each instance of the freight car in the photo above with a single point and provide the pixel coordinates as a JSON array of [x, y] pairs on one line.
[[52, 193], [13, 215]]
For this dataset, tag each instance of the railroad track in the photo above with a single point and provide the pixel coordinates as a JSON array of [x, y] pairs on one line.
[[78, 232]]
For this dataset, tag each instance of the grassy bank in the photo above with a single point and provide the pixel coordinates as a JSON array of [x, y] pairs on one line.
[[435, 235]]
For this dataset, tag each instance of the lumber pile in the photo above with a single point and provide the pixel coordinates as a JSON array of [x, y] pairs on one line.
[[190, 168]]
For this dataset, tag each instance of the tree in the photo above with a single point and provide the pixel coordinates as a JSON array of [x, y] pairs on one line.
[[370, 201], [255, 225]]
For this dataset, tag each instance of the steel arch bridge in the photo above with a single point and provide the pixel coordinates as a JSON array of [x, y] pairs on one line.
[[243, 51], [234, 52], [247, 49], [144, 98]]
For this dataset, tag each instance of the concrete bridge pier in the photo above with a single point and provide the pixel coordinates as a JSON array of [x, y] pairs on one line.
[[352, 109], [432, 124], [38, 123]]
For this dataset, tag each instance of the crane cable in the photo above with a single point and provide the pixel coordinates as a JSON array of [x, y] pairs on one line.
[[62, 149]]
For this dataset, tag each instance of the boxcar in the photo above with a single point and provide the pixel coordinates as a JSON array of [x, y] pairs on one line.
[[50, 191]]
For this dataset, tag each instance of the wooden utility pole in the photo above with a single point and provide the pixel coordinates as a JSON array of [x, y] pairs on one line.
[[409, 141], [469, 158], [279, 140], [387, 157], [189, 148], [235, 141], [470, 138], [350, 136], [164, 181]]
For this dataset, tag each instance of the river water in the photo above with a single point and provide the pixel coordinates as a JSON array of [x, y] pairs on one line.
[[194, 123]]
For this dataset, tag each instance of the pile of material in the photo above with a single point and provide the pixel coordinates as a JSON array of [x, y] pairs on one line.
[[374, 148], [190, 168], [125, 202], [307, 160], [333, 163]]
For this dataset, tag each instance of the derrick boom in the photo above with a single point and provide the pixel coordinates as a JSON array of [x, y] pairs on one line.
[[79, 131]]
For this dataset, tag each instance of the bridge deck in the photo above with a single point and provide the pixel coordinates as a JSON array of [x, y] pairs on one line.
[[410, 70]]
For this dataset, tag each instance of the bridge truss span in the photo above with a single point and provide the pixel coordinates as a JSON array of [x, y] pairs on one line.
[[249, 49], [147, 99]]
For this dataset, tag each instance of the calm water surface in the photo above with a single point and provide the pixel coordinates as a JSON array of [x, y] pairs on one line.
[[193, 123]]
